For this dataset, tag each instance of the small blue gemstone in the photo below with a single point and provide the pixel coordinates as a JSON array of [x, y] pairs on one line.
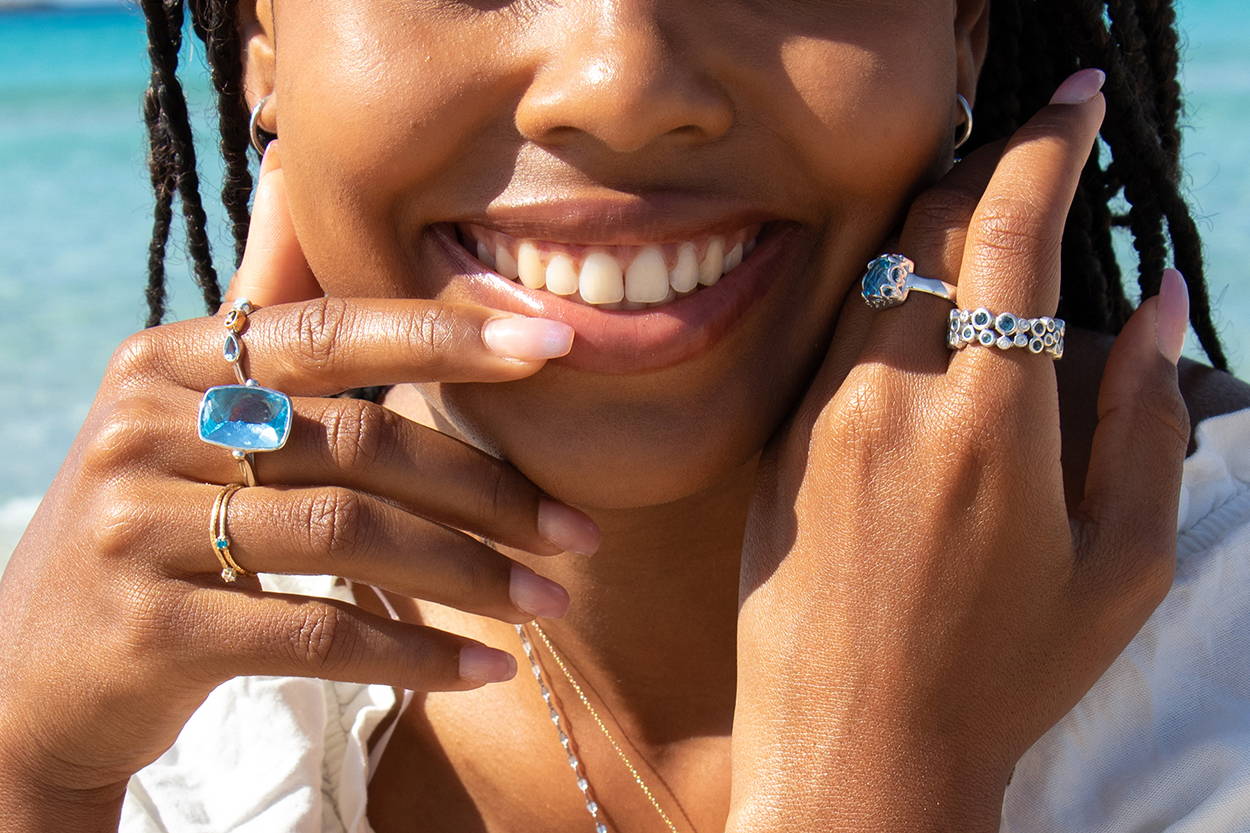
[[221, 543], [245, 417], [880, 279], [232, 348]]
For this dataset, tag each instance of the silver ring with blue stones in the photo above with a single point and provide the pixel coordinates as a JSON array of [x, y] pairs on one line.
[[1005, 330], [245, 418], [890, 277]]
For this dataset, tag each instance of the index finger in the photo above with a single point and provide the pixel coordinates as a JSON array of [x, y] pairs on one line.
[[1012, 252], [331, 344]]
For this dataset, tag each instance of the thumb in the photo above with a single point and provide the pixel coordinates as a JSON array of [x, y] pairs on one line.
[[1132, 488], [273, 270]]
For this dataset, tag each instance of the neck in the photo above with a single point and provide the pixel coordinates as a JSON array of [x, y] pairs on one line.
[[651, 631]]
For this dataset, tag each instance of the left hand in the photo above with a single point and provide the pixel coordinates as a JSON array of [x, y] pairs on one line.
[[917, 606]]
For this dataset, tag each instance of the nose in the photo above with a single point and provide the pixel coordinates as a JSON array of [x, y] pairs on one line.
[[627, 73]]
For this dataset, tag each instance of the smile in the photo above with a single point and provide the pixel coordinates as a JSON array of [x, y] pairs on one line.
[[611, 277], [637, 301]]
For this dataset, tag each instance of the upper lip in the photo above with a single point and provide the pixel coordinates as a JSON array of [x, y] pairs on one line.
[[624, 220]]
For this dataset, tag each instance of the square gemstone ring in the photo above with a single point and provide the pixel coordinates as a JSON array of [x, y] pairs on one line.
[[245, 417]]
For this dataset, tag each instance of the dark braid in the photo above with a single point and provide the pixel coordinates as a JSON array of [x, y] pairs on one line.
[[1034, 44], [173, 148], [215, 25]]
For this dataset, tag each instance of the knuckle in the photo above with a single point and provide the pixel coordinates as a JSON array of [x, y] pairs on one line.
[[493, 494], [123, 522], [318, 638], [943, 209], [126, 434], [358, 434], [319, 326], [1162, 403], [335, 519], [1012, 225], [434, 330], [138, 356]]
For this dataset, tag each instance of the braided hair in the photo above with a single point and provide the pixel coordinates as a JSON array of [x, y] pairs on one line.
[[1131, 181]]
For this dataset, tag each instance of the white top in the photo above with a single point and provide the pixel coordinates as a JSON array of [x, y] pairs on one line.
[[1160, 743]]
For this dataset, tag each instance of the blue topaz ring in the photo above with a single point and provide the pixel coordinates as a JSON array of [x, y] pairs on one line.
[[1004, 331], [246, 417], [891, 277], [230, 569]]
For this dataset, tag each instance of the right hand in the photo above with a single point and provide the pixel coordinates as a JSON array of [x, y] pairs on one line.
[[117, 622]]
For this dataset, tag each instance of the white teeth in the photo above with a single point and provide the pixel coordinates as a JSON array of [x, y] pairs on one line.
[[713, 265], [646, 280], [561, 275], [601, 280], [685, 274], [530, 265], [505, 264], [485, 255]]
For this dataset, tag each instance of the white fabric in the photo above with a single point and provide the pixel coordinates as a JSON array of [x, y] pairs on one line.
[[1160, 743]]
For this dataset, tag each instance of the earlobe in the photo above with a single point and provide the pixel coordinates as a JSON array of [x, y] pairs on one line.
[[256, 49], [972, 31]]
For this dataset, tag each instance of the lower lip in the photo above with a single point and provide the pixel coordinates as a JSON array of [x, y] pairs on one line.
[[634, 341]]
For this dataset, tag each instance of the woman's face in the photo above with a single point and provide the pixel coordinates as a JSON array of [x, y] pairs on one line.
[[622, 123]]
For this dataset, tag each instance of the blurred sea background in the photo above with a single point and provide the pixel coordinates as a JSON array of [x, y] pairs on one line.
[[75, 209]]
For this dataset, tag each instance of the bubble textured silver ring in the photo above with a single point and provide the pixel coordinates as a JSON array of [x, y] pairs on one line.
[[1005, 330]]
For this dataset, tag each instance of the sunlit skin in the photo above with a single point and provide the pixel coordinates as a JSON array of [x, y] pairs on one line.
[[394, 116], [839, 568]]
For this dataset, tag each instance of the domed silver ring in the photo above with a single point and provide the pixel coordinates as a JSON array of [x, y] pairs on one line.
[[890, 277]]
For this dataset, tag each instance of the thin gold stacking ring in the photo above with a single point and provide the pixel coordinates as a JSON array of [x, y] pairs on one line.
[[230, 569]]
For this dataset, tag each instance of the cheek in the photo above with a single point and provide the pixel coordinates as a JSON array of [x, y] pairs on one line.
[[871, 117], [372, 107]]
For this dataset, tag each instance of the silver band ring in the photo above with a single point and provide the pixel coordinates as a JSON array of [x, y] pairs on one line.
[[891, 277], [1005, 330], [245, 417]]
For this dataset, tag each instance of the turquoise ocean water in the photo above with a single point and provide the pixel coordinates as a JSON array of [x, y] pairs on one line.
[[75, 211]]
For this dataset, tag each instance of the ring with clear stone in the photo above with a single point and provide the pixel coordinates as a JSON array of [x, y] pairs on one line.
[[1005, 330], [245, 417], [230, 569], [889, 279]]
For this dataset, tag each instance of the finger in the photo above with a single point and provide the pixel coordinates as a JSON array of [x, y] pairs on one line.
[[1011, 255], [331, 344], [337, 531], [240, 632], [273, 270], [1127, 518], [911, 336], [364, 446]]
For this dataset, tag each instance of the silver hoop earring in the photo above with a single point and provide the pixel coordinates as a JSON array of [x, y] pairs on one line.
[[967, 131], [255, 130]]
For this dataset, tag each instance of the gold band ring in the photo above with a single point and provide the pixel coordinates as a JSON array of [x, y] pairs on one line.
[[230, 569]]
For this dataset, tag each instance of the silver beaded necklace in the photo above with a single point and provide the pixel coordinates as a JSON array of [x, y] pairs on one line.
[[565, 734]]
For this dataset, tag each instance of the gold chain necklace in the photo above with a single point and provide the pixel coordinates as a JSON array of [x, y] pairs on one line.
[[565, 735]]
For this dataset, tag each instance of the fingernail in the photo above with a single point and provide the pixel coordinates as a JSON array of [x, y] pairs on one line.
[[567, 528], [535, 594], [482, 664], [267, 158], [1079, 87], [527, 339], [1172, 315]]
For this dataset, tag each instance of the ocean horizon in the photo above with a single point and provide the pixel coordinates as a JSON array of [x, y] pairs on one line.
[[77, 213]]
